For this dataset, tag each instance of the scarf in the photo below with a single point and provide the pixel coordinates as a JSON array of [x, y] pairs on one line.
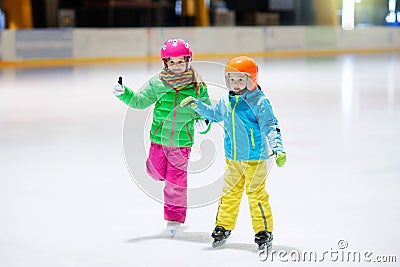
[[177, 81]]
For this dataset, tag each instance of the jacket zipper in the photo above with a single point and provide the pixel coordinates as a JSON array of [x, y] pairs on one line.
[[187, 130], [252, 138], [174, 119], [158, 127], [233, 128]]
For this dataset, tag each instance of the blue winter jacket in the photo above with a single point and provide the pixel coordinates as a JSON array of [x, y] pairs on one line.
[[248, 123]]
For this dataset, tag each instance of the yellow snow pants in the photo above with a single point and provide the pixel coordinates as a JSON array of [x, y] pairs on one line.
[[253, 175]]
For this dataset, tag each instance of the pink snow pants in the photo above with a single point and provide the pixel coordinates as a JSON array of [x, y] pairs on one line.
[[170, 164]]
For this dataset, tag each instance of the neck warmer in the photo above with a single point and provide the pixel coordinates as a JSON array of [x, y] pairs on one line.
[[177, 81]]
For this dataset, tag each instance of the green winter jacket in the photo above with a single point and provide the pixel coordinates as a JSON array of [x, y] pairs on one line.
[[172, 125]]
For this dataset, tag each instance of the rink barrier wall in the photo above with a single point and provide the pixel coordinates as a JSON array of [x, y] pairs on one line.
[[80, 46]]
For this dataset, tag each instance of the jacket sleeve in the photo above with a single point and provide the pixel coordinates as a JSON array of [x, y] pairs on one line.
[[213, 114], [139, 100], [269, 126], [204, 95]]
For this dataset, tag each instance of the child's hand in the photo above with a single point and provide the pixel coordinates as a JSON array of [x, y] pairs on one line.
[[119, 88], [188, 101], [200, 125], [280, 158]]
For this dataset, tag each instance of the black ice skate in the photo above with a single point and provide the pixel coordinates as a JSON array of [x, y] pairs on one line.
[[264, 241], [220, 235]]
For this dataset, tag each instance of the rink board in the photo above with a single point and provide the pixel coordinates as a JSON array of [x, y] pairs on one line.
[[144, 43]]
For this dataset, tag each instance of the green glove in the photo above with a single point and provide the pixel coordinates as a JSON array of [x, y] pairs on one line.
[[280, 159], [188, 101]]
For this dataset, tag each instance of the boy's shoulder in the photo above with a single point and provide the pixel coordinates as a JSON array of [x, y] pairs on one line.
[[256, 95]]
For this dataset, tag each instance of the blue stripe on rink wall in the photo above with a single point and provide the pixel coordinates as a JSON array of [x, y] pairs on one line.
[[1, 57], [44, 44], [2, 20]]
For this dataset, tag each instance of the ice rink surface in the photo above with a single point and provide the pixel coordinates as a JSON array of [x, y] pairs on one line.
[[67, 197]]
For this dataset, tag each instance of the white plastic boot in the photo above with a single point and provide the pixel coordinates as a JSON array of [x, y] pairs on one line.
[[172, 227]]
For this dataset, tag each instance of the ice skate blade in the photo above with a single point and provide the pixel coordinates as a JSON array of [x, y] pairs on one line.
[[172, 233], [217, 243], [264, 248]]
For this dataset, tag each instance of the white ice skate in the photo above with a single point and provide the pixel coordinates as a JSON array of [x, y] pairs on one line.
[[172, 227]]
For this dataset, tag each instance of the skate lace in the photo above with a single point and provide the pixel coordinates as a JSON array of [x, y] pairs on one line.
[[219, 230], [263, 236]]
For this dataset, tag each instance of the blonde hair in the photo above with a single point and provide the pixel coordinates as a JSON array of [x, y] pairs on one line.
[[197, 81]]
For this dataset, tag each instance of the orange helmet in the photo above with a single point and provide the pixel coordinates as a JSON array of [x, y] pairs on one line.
[[245, 65]]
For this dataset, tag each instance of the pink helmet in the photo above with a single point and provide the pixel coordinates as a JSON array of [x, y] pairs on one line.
[[176, 48]]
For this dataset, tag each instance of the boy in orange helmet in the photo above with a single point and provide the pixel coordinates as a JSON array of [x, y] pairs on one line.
[[248, 123]]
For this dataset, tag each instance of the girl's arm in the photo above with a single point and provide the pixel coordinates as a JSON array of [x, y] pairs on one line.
[[141, 99], [204, 95]]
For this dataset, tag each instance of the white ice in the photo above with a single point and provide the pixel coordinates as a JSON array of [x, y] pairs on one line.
[[67, 197]]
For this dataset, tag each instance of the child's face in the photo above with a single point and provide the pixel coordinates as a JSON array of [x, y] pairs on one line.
[[176, 64], [237, 82]]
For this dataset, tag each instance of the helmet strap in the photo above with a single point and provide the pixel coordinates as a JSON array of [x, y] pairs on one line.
[[164, 63], [188, 60]]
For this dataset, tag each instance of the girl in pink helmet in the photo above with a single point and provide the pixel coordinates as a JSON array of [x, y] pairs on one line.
[[172, 129]]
